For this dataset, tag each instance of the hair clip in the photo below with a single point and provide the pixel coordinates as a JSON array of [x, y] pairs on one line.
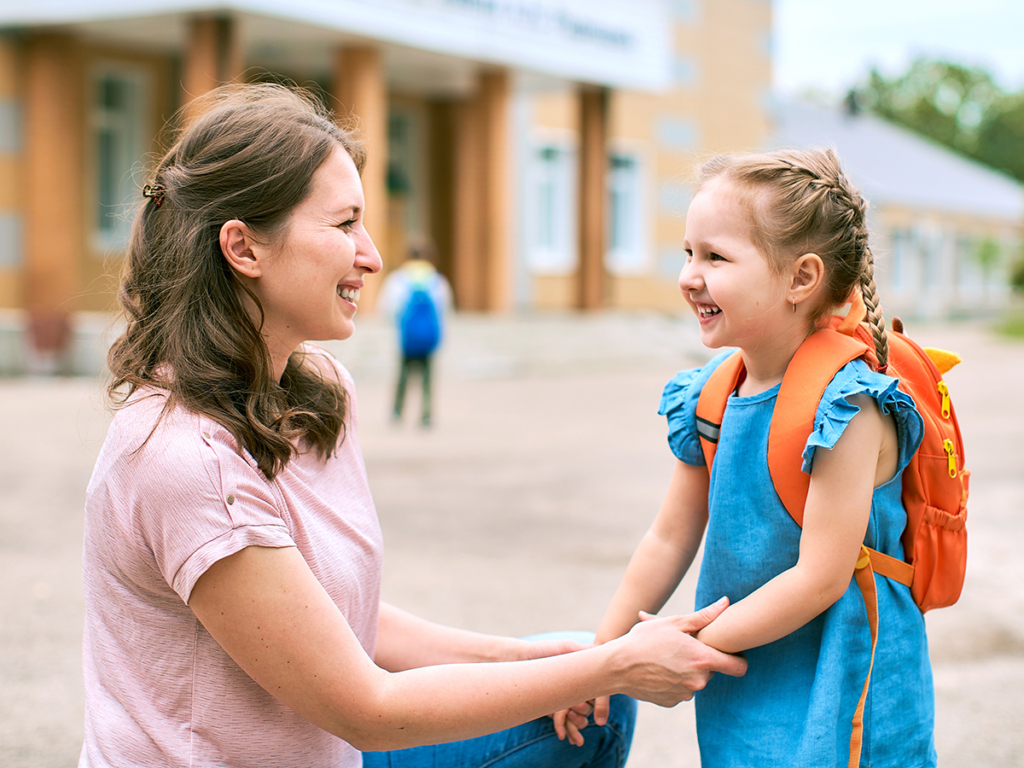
[[155, 192]]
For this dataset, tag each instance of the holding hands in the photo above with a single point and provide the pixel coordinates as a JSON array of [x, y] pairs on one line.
[[664, 664]]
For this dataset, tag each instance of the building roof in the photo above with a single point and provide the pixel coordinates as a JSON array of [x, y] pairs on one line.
[[595, 41], [894, 166]]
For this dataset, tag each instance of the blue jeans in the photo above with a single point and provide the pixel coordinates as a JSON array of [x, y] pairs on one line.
[[531, 745]]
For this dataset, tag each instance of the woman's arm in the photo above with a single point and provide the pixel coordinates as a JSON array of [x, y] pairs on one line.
[[664, 553], [405, 641], [835, 522], [271, 615]]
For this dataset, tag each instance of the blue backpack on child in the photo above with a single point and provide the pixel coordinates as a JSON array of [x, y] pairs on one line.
[[420, 324]]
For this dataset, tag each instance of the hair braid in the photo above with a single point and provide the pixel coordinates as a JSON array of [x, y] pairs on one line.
[[873, 308]]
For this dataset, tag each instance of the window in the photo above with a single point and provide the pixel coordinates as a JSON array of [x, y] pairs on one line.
[[902, 256], [551, 206], [625, 215], [118, 112]]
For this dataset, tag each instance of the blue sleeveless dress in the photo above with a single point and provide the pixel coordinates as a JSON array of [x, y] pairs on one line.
[[795, 705]]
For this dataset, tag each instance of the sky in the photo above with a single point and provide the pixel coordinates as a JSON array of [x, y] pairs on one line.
[[830, 45]]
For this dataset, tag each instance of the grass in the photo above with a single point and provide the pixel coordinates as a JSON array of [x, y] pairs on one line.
[[1011, 324]]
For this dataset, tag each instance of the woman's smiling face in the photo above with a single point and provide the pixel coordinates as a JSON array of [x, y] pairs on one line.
[[312, 273], [727, 280]]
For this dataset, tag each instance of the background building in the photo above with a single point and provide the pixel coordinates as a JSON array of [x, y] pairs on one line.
[[543, 146], [945, 229]]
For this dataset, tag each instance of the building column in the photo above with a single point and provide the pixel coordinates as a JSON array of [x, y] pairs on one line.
[[54, 226], [481, 247], [495, 114], [360, 87], [11, 184], [213, 55], [590, 285], [468, 209]]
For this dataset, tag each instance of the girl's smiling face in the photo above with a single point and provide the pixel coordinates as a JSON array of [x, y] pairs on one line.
[[738, 298]]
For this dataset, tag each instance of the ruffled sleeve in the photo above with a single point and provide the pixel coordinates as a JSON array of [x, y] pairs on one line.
[[836, 411], [679, 405]]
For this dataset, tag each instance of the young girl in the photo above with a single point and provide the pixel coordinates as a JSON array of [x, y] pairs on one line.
[[776, 243]]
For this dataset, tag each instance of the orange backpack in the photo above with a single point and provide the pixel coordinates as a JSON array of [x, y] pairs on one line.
[[935, 483]]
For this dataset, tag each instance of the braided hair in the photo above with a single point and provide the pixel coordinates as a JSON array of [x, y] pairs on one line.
[[802, 202]]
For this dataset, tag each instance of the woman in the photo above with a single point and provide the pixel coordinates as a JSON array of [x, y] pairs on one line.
[[232, 551]]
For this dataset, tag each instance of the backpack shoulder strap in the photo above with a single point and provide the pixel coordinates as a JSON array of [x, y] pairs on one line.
[[815, 364], [711, 403]]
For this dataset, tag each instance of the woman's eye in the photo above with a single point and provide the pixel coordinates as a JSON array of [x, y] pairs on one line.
[[347, 224]]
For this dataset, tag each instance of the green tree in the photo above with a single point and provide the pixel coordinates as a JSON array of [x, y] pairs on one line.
[[960, 107], [1001, 136]]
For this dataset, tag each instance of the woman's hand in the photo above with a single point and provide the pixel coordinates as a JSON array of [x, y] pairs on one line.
[[667, 671]]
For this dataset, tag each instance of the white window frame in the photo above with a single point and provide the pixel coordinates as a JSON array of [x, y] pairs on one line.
[[130, 129], [550, 207], [627, 252]]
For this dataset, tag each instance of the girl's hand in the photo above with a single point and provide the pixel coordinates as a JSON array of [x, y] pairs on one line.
[[569, 722]]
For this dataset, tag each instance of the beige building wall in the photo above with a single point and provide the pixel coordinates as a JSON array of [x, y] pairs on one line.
[[718, 103]]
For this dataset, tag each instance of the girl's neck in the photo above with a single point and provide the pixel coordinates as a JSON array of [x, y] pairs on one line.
[[767, 362]]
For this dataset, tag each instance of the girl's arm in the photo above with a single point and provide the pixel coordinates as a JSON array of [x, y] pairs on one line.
[[835, 522], [656, 567], [270, 614], [664, 553]]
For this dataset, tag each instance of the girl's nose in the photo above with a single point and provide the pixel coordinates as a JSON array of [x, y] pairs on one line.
[[690, 278]]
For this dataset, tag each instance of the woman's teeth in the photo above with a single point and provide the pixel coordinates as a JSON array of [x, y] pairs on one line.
[[349, 294]]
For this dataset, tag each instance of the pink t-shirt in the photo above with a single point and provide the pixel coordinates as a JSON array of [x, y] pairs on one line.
[[159, 690]]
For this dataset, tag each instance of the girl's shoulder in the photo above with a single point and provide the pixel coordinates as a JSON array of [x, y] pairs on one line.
[[836, 410], [679, 405]]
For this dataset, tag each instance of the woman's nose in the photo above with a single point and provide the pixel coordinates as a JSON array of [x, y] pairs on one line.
[[367, 256]]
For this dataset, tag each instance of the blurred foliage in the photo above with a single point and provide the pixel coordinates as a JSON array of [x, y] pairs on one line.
[[1012, 324], [1017, 273], [961, 107]]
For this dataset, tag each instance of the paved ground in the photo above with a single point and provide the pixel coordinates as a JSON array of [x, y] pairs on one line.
[[516, 513]]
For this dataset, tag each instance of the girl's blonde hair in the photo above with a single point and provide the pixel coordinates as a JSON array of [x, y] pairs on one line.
[[801, 202]]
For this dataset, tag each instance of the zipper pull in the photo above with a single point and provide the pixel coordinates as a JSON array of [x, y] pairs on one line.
[[944, 391], [950, 450]]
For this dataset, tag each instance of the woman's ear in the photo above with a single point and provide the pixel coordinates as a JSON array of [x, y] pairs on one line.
[[808, 276], [240, 248]]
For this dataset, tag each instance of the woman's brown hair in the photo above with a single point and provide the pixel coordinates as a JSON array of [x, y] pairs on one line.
[[802, 202], [246, 152]]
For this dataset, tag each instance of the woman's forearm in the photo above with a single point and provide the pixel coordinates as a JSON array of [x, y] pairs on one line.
[[659, 661], [405, 641], [435, 704]]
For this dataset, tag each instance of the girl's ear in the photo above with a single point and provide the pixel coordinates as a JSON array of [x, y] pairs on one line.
[[241, 249], [808, 275]]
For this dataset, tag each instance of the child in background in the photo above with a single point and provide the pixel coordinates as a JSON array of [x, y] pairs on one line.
[[418, 297], [775, 244]]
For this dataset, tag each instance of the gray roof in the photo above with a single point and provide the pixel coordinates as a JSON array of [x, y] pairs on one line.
[[894, 166]]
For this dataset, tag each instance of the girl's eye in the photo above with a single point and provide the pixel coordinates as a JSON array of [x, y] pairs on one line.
[[715, 257], [689, 255]]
